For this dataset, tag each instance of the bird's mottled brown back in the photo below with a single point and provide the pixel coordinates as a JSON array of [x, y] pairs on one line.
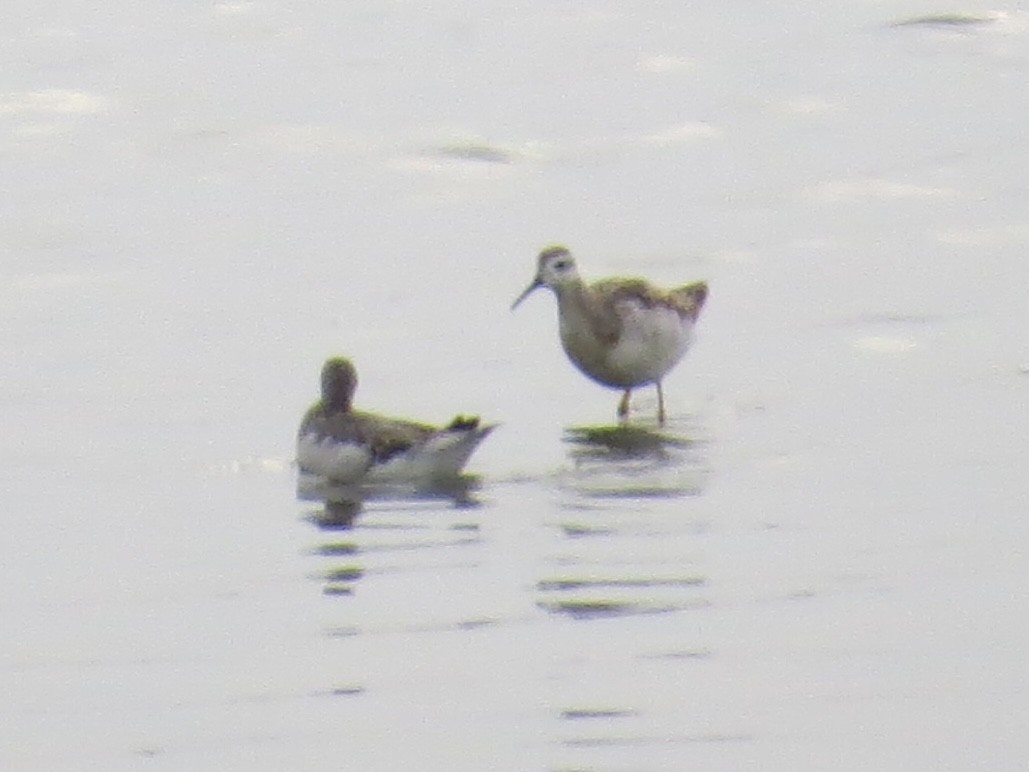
[[384, 437], [687, 300]]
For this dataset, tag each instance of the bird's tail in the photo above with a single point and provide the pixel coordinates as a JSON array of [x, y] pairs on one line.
[[690, 299], [463, 423]]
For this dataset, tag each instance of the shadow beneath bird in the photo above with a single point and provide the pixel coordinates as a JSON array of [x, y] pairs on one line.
[[632, 460], [623, 439]]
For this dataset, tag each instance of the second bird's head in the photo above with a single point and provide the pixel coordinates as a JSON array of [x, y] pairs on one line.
[[555, 268]]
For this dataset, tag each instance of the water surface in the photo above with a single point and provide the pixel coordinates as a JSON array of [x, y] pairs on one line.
[[821, 567]]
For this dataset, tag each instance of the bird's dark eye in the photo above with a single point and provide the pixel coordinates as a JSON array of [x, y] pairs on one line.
[[561, 265]]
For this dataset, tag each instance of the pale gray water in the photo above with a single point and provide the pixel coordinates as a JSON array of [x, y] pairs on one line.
[[202, 201]]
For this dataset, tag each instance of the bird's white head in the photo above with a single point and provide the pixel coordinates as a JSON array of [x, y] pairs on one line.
[[555, 268]]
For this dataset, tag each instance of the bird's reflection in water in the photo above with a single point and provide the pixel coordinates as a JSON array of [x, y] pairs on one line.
[[338, 514], [343, 503], [342, 506], [635, 460], [625, 537]]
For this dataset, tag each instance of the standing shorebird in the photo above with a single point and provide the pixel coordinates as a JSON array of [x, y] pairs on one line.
[[348, 446], [622, 333]]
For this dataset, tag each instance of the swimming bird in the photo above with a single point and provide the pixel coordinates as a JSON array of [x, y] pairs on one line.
[[350, 446], [622, 333]]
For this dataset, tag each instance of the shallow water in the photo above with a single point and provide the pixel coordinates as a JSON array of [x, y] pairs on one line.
[[824, 570]]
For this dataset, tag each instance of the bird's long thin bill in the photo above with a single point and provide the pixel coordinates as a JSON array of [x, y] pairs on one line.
[[536, 284]]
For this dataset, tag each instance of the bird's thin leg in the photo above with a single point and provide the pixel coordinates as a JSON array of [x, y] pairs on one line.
[[660, 405], [623, 406]]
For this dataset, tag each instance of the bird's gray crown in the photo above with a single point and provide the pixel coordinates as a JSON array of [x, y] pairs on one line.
[[553, 252], [339, 381]]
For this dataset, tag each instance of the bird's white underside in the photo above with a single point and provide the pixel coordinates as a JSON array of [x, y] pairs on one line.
[[441, 455], [653, 340]]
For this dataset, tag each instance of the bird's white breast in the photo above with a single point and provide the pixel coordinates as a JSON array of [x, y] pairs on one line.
[[652, 340], [344, 462], [441, 455]]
